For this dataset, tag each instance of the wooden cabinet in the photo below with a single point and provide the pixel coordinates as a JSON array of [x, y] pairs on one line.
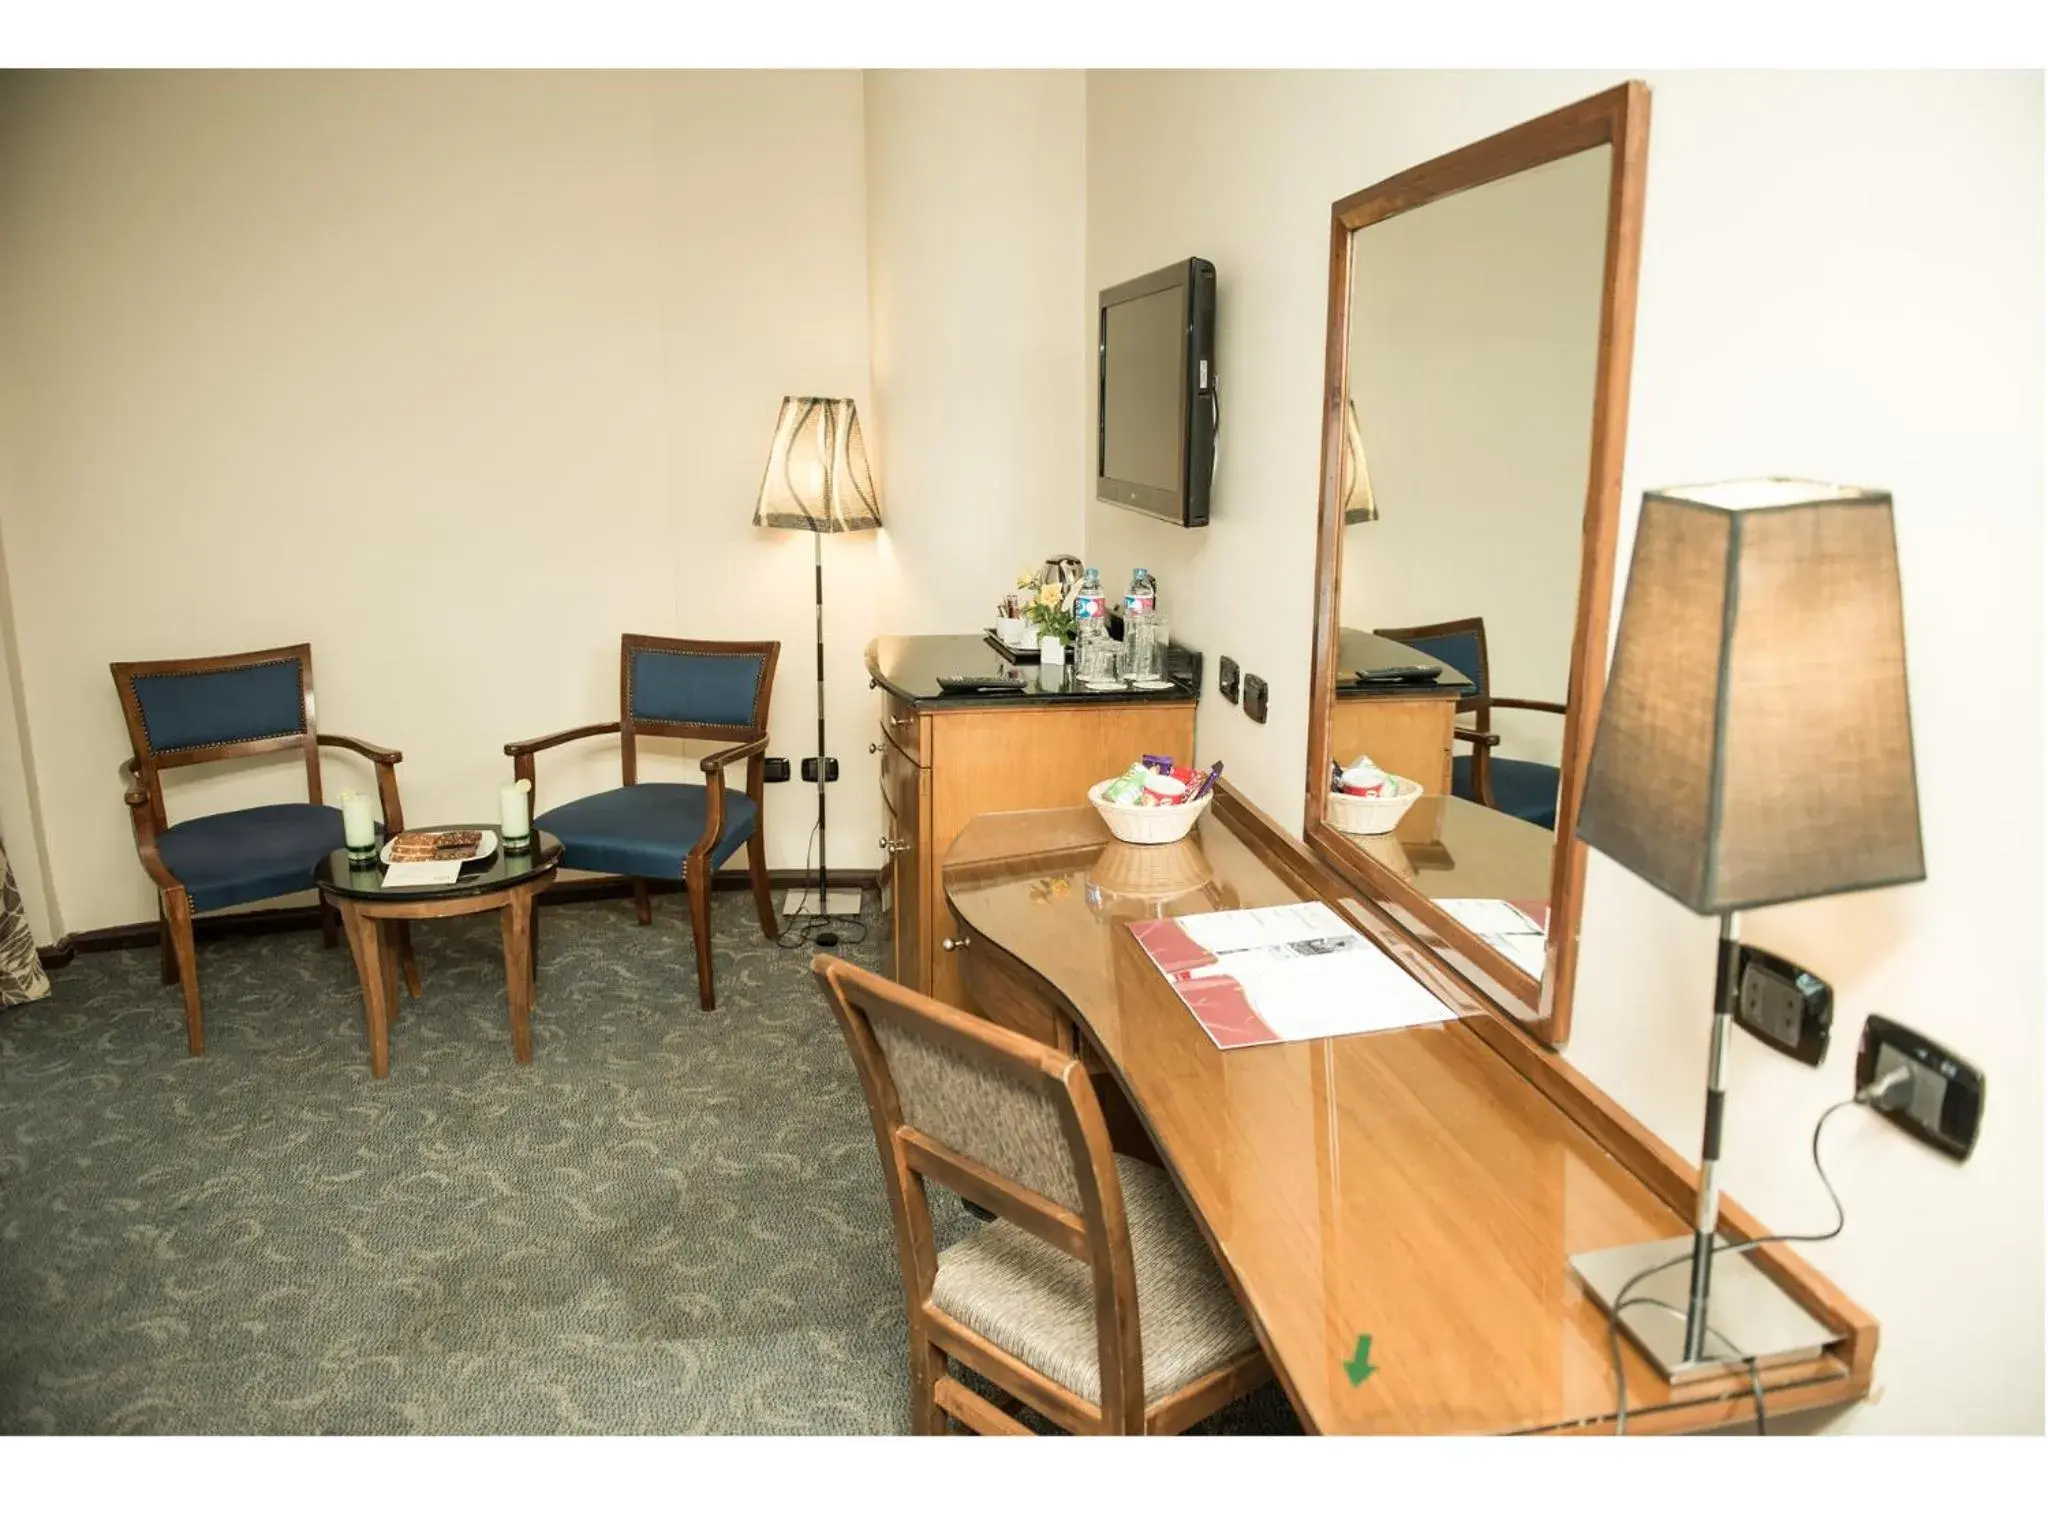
[[942, 765], [1408, 736]]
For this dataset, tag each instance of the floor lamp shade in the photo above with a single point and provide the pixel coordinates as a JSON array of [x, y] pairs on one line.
[[817, 478], [1754, 743]]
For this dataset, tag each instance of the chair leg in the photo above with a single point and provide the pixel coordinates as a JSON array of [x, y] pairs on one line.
[[643, 906], [330, 925], [167, 953], [757, 873], [697, 875], [177, 910], [927, 1369], [406, 962]]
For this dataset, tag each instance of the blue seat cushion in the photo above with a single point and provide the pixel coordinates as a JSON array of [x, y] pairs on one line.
[[236, 856], [645, 829], [1522, 789]]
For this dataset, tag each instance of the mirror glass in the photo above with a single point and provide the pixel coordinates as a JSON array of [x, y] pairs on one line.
[[1471, 355]]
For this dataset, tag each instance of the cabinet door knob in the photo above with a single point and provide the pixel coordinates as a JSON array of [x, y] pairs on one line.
[[874, 747], [892, 845], [952, 944]]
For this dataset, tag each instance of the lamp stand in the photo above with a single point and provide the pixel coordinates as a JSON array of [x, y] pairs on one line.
[[1672, 1308], [824, 936]]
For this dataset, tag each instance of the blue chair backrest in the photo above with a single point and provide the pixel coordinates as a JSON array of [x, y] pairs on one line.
[[184, 710], [694, 688], [1459, 649]]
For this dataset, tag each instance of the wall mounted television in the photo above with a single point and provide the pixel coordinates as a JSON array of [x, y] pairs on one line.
[[1156, 404]]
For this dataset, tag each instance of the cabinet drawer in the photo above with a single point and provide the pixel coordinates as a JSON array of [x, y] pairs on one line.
[[900, 728]]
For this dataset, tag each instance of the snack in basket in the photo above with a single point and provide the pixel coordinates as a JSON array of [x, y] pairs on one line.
[[1127, 786], [1158, 762], [419, 847], [1365, 777], [1203, 781], [1162, 789]]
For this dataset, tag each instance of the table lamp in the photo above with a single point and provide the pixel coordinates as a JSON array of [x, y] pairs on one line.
[[817, 479], [1754, 747]]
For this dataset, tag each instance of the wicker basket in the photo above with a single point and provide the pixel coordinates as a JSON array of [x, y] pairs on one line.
[[1156, 873], [1369, 815], [1148, 823]]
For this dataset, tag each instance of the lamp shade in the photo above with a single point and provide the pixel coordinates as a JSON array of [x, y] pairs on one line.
[[817, 477], [1355, 492], [1755, 744]]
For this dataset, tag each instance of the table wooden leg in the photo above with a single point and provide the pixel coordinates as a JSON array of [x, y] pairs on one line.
[[363, 944], [387, 961], [406, 962], [516, 921]]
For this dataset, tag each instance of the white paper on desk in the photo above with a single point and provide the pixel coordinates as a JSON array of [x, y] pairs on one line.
[[1309, 975], [407, 873], [1504, 926]]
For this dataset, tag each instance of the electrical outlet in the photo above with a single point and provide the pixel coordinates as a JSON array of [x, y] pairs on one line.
[[775, 770], [831, 770], [1255, 697], [1784, 1005], [1226, 678], [1947, 1104]]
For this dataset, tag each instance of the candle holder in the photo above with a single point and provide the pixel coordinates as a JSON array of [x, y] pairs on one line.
[[358, 831], [363, 858], [520, 844], [515, 816]]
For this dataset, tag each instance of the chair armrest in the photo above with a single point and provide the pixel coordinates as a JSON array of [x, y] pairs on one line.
[[361, 748], [142, 821], [521, 752], [1547, 708], [542, 743], [718, 761], [1477, 738]]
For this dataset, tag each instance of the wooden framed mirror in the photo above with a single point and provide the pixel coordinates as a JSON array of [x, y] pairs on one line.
[[1481, 321]]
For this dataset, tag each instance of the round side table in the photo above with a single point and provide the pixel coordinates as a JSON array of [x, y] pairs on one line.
[[506, 883]]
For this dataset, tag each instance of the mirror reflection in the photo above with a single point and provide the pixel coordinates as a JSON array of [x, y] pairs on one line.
[[1470, 366]]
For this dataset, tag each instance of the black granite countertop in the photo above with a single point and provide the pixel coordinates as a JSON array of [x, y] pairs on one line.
[[910, 666]]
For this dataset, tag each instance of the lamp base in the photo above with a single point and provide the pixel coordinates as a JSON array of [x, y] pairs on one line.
[[824, 938], [1749, 1316]]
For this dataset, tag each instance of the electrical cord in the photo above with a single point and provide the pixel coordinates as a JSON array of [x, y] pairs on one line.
[[1885, 1093], [800, 925]]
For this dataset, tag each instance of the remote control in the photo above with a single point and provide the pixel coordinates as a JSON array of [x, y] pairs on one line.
[[981, 685], [1415, 674]]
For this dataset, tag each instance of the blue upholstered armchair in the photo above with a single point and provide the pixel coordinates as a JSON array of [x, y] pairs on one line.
[[1523, 789], [702, 690], [207, 709]]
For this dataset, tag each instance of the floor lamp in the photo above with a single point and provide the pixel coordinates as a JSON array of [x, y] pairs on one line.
[[1754, 747], [817, 480]]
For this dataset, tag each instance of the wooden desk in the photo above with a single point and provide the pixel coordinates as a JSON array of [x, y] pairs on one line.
[[1406, 728], [1426, 1187]]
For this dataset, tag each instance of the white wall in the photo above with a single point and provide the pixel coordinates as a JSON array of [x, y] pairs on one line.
[[975, 218], [1841, 277], [1475, 329], [457, 376]]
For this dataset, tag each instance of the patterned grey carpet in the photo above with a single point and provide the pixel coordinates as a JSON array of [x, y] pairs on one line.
[[672, 1222]]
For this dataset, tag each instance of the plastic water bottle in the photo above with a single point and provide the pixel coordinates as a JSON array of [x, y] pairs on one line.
[[1143, 595], [1144, 638], [1091, 608]]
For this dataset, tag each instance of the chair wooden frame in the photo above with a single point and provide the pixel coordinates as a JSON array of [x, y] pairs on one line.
[[1097, 1234], [142, 789], [1480, 705], [751, 746], [1618, 119]]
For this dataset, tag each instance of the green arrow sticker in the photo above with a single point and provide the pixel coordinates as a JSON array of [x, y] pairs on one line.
[[1360, 1365]]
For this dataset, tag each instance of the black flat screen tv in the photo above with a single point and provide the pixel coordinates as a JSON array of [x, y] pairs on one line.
[[1156, 402]]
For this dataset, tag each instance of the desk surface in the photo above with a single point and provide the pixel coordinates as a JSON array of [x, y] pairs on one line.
[[1446, 848], [1414, 1187], [1360, 650]]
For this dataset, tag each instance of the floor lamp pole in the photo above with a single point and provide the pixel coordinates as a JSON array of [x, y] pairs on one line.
[[1707, 1212], [824, 937]]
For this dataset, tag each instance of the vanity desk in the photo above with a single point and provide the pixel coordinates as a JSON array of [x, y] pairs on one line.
[[1422, 1188], [1405, 727], [947, 757]]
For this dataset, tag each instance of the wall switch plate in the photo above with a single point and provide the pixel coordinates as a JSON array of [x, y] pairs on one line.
[[775, 770], [1255, 697], [831, 770], [1948, 1093], [1226, 678], [1784, 1005]]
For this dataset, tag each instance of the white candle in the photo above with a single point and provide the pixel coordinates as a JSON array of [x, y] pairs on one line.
[[512, 808], [358, 826]]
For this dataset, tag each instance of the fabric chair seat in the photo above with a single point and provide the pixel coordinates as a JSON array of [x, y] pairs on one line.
[[246, 855], [645, 829], [1522, 789], [1039, 1303]]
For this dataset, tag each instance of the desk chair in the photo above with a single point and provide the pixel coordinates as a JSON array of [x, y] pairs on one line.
[[209, 709], [1522, 789], [1092, 1298], [715, 690]]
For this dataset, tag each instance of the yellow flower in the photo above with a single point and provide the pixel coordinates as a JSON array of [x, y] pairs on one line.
[[1049, 594]]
